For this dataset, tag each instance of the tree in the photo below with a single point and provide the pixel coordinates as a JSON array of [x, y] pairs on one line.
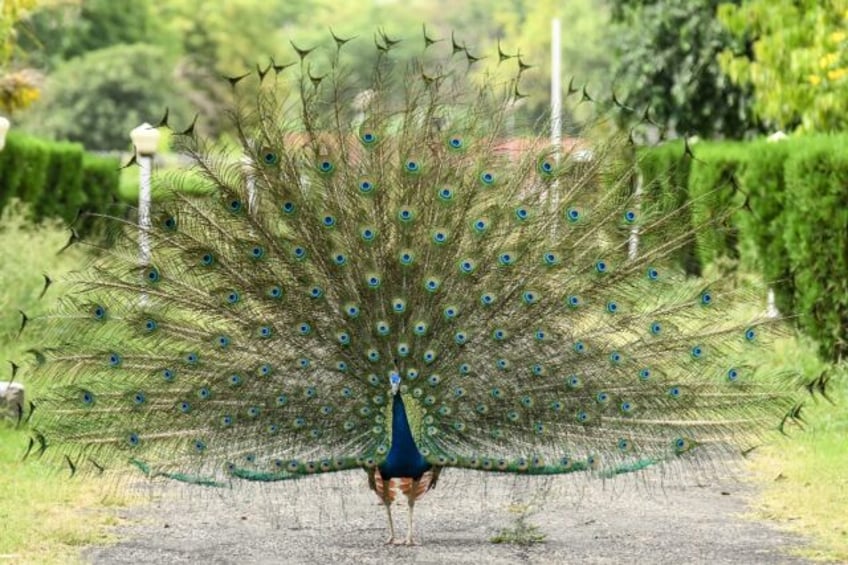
[[66, 30], [798, 67], [98, 98], [667, 59], [18, 87]]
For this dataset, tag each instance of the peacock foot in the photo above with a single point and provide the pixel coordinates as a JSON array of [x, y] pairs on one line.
[[410, 541], [390, 541]]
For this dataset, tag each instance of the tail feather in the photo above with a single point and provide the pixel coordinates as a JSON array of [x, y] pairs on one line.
[[528, 297]]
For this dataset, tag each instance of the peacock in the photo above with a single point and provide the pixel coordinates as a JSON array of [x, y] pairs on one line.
[[383, 276]]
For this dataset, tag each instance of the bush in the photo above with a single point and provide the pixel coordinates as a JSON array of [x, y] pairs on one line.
[[761, 229], [816, 238], [63, 195], [23, 173], [665, 176], [787, 219], [717, 203], [56, 180]]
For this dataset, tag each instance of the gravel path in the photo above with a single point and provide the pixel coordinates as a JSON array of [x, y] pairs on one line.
[[336, 519]]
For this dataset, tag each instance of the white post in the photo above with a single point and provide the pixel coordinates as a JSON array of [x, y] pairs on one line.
[[145, 169], [145, 141], [250, 181], [4, 128], [556, 113], [633, 241], [771, 303], [556, 88], [771, 306]]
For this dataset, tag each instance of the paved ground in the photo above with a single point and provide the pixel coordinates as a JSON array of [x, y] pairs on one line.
[[336, 519]]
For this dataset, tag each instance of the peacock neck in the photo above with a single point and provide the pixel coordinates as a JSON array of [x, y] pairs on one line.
[[404, 458]]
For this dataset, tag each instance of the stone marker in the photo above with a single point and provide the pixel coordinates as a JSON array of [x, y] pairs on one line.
[[11, 396]]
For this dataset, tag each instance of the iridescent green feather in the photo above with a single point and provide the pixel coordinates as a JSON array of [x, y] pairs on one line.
[[401, 235]]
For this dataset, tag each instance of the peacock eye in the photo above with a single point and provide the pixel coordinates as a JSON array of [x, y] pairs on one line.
[[270, 158]]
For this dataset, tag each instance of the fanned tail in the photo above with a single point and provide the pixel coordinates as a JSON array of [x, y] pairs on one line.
[[527, 295]]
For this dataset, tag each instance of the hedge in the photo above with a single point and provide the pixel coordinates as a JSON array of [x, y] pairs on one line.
[[781, 208], [665, 177], [815, 231], [761, 229], [56, 179], [717, 201]]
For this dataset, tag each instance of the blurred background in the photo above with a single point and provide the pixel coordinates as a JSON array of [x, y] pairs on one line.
[[91, 70]]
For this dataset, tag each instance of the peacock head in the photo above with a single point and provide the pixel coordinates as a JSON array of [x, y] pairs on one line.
[[394, 378]]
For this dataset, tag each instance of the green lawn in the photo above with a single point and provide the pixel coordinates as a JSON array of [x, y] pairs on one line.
[[805, 477], [46, 517]]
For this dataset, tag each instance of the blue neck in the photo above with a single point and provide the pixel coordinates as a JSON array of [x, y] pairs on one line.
[[404, 460]]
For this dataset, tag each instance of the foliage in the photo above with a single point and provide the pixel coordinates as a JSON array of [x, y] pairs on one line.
[[666, 60], [98, 98], [66, 30], [798, 67], [761, 230], [713, 191], [11, 11], [520, 532], [199, 38], [665, 171], [56, 179], [19, 87], [816, 221]]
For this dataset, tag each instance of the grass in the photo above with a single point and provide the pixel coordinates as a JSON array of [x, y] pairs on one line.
[[804, 477], [520, 532], [45, 517]]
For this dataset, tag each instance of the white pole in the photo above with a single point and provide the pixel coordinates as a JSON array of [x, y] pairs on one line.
[[556, 111], [250, 181], [771, 308], [145, 165], [633, 242], [556, 87], [4, 128]]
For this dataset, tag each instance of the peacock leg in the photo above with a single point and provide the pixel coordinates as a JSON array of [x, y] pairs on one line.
[[391, 539], [409, 540], [411, 499]]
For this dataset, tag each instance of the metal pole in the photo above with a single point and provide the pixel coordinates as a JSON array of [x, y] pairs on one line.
[[556, 106], [145, 166], [556, 87], [250, 182], [633, 241]]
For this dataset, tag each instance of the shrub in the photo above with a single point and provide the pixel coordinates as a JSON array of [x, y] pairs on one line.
[[96, 99], [56, 180], [665, 176], [816, 224], [716, 202], [761, 229]]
